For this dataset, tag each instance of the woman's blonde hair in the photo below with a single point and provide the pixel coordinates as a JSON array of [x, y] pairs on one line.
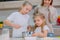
[[42, 17], [24, 4]]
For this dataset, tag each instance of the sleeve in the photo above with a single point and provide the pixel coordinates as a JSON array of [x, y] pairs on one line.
[[11, 17], [46, 28]]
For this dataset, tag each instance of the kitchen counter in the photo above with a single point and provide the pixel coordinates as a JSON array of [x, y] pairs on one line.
[[5, 36], [47, 38], [36, 39], [56, 29]]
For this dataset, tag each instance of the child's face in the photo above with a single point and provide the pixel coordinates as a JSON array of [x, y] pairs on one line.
[[26, 9], [38, 21], [47, 2]]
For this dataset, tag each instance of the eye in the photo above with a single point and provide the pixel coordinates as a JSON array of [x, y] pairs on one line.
[[34, 21], [48, 0]]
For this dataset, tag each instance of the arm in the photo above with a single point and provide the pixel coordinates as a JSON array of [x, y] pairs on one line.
[[10, 19], [44, 34], [7, 22]]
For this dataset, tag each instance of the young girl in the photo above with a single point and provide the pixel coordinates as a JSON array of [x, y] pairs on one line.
[[19, 20], [49, 11], [41, 28]]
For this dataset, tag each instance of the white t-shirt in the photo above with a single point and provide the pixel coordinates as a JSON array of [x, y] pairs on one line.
[[20, 19], [38, 29]]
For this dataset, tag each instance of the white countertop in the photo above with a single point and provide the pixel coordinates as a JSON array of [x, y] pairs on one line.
[[5, 36], [47, 38]]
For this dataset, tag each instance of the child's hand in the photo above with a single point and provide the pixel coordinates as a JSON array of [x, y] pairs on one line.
[[16, 26], [35, 34], [29, 28]]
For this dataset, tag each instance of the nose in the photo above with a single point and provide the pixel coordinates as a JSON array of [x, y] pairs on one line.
[[47, 1], [27, 11], [36, 22]]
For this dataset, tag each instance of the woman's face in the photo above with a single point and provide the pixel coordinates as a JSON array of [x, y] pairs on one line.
[[38, 21], [26, 9], [47, 2]]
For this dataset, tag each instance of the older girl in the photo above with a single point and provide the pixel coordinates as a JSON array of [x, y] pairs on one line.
[[19, 20]]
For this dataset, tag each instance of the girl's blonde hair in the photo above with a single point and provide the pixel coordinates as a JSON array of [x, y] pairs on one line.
[[24, 4], [42, 17]]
